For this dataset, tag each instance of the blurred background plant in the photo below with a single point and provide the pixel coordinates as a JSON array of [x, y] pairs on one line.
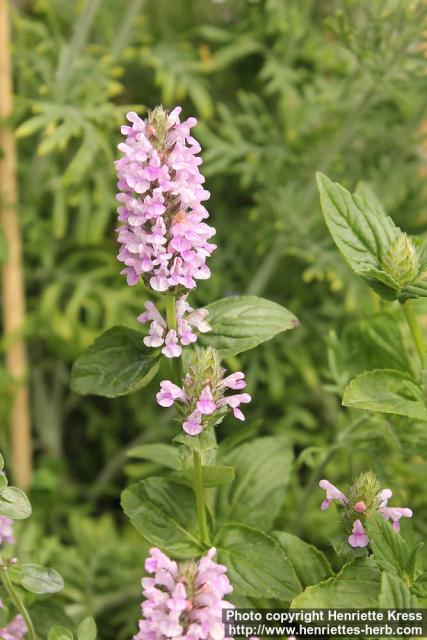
[[281, 89]]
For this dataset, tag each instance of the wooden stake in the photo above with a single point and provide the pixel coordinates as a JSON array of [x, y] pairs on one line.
[[12, 274]]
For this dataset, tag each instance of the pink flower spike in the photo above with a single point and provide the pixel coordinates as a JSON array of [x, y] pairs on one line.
[[169, 392], [332, 493], [358, 537], [206, 404]]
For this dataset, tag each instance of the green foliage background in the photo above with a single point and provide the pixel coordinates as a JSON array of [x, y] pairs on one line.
[[282, 88]]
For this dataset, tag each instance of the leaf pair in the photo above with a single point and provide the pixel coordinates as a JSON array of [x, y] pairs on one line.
[[118, 363]]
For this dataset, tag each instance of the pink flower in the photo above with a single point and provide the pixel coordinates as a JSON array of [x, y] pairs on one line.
[[394, 514], [187, 319], [169, 392], [197, 406], [358, 537], [183, 601], [162, 235], [332, 493], [6, 530], [205, 403], [15, 629]]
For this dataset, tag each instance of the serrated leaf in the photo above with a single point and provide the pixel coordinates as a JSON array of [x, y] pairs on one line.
[[256, 564], [360, 229], [164, 514], [387, 391], [14, 504], [357, 586], [38, 579], [116, 364], [394, 593], [309, 564], [262, 469], [240, 323], [87, 629], [163, 454], [389, 549]]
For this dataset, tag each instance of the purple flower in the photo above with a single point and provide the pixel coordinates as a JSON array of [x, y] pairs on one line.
[[163, 236], [183, 601], [187, 320], [332, 493], [15, 629], [198, 405], [367, 486], [358, 537], [6, 530]]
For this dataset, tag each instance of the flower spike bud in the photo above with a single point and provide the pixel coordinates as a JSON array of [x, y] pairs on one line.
[[401, 260]]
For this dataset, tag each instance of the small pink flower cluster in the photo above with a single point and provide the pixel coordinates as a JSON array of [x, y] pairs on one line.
[[6, 530], [15, 629], [186, 318], [163, 237], [359, 537], [207, 403], [183, 601]]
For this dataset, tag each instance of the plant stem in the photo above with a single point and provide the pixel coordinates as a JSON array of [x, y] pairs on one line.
[[200, 500], [8, 585], [197, 461], [414, 327], [172, 324]]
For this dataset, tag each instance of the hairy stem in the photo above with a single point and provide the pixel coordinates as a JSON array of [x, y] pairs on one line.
[[200, 499], [414, 327], [8, 585]]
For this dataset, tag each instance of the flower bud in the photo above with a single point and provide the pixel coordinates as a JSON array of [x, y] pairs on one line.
[[401, 260]]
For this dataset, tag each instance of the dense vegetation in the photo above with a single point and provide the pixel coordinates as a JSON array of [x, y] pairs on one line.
[[281, 89]]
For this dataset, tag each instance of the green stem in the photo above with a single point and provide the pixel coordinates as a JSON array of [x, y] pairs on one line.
[[200, 500], [172, 324], [8, 585], [197, 461], [414, 327]]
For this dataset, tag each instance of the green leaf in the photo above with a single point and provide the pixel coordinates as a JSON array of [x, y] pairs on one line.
[[262, 468], [310, 565], [420, 586], [87, 629], [3, 482], [256, 564], [1, 462], [14, 504], [58, 632], [360, 229], [38, 579], [394, 593], [213, 476], [164, 514], [116, 364], [240, 323], [389, 549], [163, 454], [387, 391], [356, 586]]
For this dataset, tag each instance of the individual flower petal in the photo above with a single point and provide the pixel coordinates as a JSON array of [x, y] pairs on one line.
[[332, 493], [206, 404], [358, 537]]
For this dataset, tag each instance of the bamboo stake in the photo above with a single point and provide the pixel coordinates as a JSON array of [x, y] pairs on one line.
[[12, 274]]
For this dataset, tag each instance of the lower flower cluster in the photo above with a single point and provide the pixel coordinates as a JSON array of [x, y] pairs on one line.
[[185, 600], [365, 497], [206, 403]]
